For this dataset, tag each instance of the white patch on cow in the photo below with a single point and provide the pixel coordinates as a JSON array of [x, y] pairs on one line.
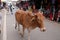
[[32, 14]]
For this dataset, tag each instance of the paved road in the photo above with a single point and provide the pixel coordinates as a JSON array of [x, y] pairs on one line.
[[52, 33], [0, 36]]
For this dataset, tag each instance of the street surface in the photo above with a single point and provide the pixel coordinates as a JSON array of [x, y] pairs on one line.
[[52, 30]]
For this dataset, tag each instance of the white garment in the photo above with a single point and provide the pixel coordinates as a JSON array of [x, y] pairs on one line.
[[0, 16], [1, 5], [2, 13], [0, 19], [24, 0]]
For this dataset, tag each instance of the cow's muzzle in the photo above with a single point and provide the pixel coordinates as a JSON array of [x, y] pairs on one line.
[[43, 29]]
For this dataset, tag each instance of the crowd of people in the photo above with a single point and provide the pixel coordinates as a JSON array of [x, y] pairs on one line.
[[50, 8]]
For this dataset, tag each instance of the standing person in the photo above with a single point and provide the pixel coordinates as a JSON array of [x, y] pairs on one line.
[[0, 17], [11, 8], [53, 12], [34, 8], [58, 18], [51, 16], [24, 4], [1, 5], [55, 16], [36, 4], [59, 13]]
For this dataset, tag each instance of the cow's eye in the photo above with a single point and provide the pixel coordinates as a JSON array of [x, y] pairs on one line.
[[33, 20], [38, 19]]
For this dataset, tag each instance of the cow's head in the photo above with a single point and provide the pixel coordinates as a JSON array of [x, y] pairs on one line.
[[39, 20]]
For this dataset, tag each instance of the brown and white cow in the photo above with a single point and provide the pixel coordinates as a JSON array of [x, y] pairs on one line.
[[29, 21]]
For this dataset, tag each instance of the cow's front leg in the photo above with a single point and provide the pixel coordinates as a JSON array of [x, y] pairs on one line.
[[29, 33], [18, 28], [23, 33]]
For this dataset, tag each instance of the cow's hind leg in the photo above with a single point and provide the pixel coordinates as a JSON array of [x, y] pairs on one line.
[[15, 25], [22, 33], [19, 30]]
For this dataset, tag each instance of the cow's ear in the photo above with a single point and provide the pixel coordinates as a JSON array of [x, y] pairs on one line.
[[33, 18], [29, 14]]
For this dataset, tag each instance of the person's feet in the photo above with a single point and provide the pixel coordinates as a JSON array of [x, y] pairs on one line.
[[0, 31], [12, 13], [0, 28]]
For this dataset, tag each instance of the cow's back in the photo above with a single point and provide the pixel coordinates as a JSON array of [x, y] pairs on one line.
[[18, 16]]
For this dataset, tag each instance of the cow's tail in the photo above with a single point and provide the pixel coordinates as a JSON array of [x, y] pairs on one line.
[[15, 21]]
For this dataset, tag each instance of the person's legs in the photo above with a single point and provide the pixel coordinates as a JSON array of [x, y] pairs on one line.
[[11, 10], [59, 19], [0, 21]]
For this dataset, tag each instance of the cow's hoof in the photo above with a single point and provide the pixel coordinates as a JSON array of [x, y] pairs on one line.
[[21, 34], [43, 29], [15, 27]]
